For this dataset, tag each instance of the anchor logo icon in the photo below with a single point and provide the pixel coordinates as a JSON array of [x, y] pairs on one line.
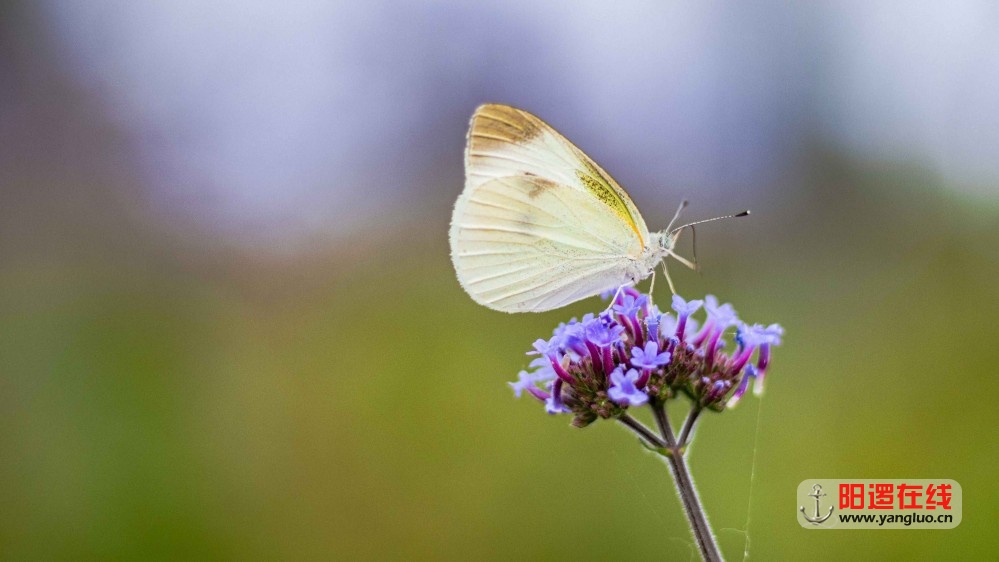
[[816, 493]]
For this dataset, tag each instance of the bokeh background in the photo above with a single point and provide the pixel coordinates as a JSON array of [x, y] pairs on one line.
[[229, 327]]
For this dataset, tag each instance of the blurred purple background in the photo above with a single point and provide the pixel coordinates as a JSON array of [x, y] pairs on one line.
[[229, 327], [268, 124]]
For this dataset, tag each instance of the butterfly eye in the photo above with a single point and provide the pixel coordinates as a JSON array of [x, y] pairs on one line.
[[666, 241]]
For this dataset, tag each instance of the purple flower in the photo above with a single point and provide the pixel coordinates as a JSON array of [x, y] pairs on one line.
[[600, 366], [649, 358], [667, 325], [543, 372], [692, 326], [545, 347], [683, 310], [554, 405], [652, 325], [571, 338], [541, 364], [686, 308], [603, 336], [773, 334], [524, 380], [751, 338], [721, 316], [737, 395], [757, 334], [623, 389], [629, 305]]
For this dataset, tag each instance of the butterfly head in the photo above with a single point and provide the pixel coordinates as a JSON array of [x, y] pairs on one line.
[[664, 246]]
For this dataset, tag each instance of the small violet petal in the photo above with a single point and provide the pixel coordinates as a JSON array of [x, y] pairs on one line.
[[623, 389]]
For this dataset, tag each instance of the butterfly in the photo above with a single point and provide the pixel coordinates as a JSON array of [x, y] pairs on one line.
[[540, 225]]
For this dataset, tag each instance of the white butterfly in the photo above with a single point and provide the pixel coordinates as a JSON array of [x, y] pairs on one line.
[[539, 224]]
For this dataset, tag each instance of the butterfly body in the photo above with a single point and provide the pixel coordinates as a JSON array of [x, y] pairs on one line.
[[540, 225]]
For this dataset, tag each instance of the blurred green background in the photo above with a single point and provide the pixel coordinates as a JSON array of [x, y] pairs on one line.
[[229, 327]]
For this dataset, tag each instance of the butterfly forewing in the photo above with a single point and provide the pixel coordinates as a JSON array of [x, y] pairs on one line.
[[506, 141], [539, 225]]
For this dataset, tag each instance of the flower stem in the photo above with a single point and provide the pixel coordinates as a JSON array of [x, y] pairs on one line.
[[688, 426], [685, 486], [642, 431], [662, 420]]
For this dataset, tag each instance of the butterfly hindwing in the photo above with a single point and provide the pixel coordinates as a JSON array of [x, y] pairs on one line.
[[527, 244]]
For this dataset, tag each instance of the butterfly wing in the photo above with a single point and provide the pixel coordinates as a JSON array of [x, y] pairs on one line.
[[506, 141], [539, 224], [528, 244]]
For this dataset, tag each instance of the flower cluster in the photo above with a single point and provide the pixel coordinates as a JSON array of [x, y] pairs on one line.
[[632, 353]]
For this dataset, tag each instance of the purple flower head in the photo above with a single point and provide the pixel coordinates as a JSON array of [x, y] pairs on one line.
[[623, 389], [601, 365], [649, 358]]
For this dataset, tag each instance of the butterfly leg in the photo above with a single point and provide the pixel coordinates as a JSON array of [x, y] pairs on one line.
[[669, 280], [684, 261], [613, 300]]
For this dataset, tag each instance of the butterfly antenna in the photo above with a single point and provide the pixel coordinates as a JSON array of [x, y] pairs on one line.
[[675, 233], [677, 214], [679, 228], [693, 244]]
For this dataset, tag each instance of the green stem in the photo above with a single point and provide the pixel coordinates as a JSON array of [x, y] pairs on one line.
[[685, 486], [642, 431], [662, 420], [688, 426]]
